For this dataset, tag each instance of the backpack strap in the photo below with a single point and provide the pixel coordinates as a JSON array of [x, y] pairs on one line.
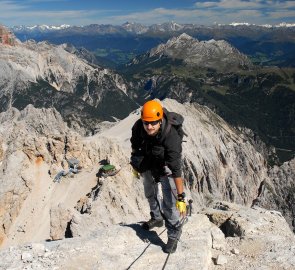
[[166, 131], [166, 125]]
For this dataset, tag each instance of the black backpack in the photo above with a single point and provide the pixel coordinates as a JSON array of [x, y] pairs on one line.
[[176, 120]]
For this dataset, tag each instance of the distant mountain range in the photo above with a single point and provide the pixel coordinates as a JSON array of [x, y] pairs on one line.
[[138, 28], [118, 44]]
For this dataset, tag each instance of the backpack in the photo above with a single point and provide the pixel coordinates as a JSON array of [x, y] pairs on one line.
[[176, 120]]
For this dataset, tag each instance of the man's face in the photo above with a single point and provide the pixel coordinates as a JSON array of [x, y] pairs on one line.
[[151, 128]]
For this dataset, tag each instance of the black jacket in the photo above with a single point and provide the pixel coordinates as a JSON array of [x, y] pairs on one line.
[[154, 152]]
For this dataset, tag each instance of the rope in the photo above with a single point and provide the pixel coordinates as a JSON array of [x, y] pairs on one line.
[[182, 222], [129, 267]]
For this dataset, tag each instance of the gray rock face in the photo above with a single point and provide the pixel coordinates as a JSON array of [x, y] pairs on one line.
[[26, 139], [255, 238], [63, 70], [279, 191], [59, 219], [47, 75], [33, 152], [219, 161]]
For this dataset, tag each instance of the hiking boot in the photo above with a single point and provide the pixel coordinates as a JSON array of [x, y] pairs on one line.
[[171, 246], [152, 223]]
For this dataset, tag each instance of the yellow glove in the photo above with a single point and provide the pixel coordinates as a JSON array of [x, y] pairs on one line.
[[135, 173], [181, 206]]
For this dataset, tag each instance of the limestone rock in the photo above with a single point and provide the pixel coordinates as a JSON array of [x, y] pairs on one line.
[[27, 257], [262, 249], [218, 238], [59, 220], [38, 247], [243, 221], [46, 75], [279, 191], [235, 251], [1, 150], [219, 162], [221, 260], [255, 234]]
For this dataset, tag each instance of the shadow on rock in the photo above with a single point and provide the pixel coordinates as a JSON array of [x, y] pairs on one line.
[[147, 236]]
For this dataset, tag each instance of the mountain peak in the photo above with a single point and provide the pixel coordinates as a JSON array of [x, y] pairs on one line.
[[134, 27], [208, 54], [185, 36]]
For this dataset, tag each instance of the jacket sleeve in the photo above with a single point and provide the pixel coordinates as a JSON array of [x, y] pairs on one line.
[[173, 150], [138, 159], [136, 141]]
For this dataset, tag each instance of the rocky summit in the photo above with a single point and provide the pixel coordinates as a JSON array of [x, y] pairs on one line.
[[92, 221], [217, 55]]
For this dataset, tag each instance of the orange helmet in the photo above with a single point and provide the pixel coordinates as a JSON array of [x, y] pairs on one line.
[[151, 111]]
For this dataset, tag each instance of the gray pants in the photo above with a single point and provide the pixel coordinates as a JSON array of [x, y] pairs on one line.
[[167, 206]]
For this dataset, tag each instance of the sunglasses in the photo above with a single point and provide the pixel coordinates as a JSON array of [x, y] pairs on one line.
[[153, 123]]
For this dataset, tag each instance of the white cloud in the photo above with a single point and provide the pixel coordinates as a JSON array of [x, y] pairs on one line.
[[10, 6], [230, 4], [17, 14], [280, 4], [281, 14], [206, 4], [46, 1], [243, 4], [160, 15]]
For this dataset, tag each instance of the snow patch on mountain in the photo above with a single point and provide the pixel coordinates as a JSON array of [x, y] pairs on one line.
[[42, 27], [283, 24]]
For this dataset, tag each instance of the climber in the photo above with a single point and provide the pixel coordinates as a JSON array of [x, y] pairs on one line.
[[73, 165], [156, 156], [73, 169]]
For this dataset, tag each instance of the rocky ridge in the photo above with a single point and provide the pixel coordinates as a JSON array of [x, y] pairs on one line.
[[47, 75], [52, 63], [279, 193]]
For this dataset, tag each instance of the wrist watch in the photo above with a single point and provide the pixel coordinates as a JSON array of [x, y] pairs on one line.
[[180, 197]]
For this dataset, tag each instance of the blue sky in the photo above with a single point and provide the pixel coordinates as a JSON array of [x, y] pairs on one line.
[[84, 12]]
